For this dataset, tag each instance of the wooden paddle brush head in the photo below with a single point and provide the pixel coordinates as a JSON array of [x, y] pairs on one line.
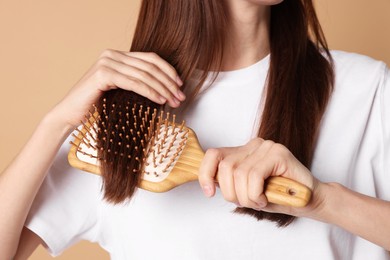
[[131, 142], [113, 139]]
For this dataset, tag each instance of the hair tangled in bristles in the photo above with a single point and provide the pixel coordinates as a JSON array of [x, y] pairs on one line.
[[126, 123]]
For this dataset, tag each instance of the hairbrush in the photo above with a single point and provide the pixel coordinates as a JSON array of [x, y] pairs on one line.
[[164, 153]]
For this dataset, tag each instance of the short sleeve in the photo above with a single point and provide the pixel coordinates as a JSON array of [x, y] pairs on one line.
[[385, 108], [66, 208]]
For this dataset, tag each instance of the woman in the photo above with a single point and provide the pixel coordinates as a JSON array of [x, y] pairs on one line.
[[340, 132]]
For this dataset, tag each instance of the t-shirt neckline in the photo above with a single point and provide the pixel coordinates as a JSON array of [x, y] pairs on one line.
[[242, 74]]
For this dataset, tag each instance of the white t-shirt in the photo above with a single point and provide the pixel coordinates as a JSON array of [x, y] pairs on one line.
[[353, 149]]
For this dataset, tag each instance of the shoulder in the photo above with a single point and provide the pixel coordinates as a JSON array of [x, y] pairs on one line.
[[344, 57], [357, 68]]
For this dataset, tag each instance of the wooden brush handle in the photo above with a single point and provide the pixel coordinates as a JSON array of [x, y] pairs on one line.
[[287, 192], [278, 190]]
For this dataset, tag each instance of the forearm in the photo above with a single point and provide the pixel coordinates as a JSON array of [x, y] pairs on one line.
[[20, 182], [359, 214]]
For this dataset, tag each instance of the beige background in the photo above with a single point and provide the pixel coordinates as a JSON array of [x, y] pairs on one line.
[[47, 45]]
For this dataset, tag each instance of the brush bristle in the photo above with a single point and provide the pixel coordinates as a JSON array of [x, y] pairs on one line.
[[131, 139], [126, 123], [164, 148]]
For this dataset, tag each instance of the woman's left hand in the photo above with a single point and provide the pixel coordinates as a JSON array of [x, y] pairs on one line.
[[241, 171]]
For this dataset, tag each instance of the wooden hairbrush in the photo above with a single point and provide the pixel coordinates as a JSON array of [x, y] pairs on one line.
[[169, 154]]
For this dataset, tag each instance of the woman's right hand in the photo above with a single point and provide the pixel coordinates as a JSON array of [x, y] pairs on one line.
[[144, 73]]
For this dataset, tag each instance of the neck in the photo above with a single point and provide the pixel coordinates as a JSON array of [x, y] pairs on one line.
[[248, 35]]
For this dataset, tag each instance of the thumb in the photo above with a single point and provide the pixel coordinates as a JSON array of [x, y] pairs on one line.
[[208, 171]]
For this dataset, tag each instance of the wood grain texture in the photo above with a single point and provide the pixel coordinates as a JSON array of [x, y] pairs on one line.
[[278, 190]]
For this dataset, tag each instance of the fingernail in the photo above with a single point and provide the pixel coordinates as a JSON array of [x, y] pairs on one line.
[[180, 95], [261, 205], [177, 102], [179, 81], [207, 191], [162, 99]]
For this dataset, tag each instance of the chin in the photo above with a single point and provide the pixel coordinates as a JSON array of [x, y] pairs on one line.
[[265, 2]]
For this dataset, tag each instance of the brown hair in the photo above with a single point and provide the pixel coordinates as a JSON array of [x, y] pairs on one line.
[[191, 34], [300, 82]]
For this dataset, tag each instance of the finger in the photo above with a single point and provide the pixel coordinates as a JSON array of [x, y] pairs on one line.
[[240, 180], [255, 190], [141, 62], [252, 146], [226, 180], [208, 170], [142, 76], [113, 79], [161, 63], [252, 167], [249, 185], [258, 148], [240, 173]]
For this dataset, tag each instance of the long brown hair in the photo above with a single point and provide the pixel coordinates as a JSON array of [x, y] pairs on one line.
[[191, 35]]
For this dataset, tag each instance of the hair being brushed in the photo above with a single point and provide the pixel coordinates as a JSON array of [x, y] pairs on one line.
[[191, 36]]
